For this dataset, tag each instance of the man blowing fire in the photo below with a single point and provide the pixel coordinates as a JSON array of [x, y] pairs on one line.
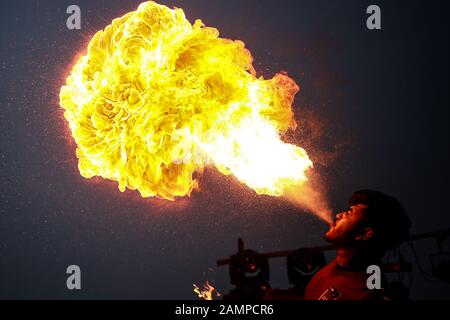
[[373, 224]]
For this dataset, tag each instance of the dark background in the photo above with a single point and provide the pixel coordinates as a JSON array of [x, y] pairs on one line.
[[374, 114]]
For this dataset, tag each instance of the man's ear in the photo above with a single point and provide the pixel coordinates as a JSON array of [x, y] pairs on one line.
[[365, 234]]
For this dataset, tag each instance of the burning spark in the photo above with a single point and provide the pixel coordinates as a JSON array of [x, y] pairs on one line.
[[157, 99], [207, 292]]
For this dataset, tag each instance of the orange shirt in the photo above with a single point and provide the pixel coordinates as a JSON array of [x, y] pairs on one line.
[[333, 282]]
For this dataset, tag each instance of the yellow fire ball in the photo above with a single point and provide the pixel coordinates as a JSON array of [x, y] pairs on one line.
[[156, 99]]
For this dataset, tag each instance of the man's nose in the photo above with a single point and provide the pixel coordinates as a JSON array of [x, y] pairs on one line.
[[339, 216]]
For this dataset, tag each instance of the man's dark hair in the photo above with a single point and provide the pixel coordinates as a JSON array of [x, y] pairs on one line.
[[386, 217]]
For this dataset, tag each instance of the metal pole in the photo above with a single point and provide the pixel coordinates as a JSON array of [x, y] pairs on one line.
[[285, 253]]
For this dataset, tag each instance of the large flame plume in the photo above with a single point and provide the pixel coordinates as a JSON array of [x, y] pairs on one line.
[[156, 99]]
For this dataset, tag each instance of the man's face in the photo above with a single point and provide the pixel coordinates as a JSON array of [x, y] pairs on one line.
[[348, 225]]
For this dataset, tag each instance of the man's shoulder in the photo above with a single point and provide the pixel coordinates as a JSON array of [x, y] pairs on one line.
[[319, 280], [326, 270]]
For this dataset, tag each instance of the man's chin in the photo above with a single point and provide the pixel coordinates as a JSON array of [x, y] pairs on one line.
[[329, 236]]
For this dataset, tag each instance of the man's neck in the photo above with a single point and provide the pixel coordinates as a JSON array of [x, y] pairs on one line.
[[355, 258]]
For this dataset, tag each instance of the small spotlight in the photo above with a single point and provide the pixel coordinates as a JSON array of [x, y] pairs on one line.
[[248, 268], [302, 266]]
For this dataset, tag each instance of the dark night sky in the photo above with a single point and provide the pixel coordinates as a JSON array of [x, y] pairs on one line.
[[381, 96]]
